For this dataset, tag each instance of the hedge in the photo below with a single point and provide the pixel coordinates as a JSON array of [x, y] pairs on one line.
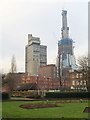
[[67, 95], [5, 96]]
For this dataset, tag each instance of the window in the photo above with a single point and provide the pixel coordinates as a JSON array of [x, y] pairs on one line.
[[77, 76]]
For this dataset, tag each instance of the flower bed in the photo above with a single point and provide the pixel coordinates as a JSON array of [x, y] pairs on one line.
[[33, 106]]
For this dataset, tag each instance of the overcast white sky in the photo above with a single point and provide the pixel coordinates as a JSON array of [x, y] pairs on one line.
[[41, 18]]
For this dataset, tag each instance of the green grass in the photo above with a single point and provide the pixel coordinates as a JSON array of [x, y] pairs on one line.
[[0, 109], [67, 110]]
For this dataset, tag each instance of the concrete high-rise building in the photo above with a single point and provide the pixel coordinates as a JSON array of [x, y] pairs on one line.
[[43, 55], [66, 59], [35, 55]]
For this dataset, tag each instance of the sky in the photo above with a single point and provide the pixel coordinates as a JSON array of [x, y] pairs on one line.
[[41, 18]]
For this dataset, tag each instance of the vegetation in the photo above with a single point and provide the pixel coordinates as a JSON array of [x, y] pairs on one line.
[[11, 109], [13, 65], [8, 79], [67, 95], [5, 96], [84, 63]]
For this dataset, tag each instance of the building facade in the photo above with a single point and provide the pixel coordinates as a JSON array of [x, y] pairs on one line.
[[78, 80], [42, 82], [35, 55], [43, 55], [48, 71]]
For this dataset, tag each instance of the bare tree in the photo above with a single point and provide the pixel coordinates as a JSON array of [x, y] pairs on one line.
[[13, 65], [3, 79], [9, 79], [83, 61]]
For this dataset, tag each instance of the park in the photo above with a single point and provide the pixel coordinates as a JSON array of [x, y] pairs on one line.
[[45, 108]]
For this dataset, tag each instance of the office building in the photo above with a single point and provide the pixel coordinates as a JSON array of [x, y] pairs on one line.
[[35, 55]]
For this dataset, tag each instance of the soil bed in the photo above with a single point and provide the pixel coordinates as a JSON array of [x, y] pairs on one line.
[[33, 106], [87, 110]]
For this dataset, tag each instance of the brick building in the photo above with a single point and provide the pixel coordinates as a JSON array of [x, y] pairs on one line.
[[48, 71], [43, 82], [77, 80]]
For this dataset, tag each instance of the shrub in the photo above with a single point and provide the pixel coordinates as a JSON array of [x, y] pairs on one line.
[[33, 96], [5, 96], [67, 95]]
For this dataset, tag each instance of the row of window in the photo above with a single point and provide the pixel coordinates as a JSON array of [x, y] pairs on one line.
[[77, 75]]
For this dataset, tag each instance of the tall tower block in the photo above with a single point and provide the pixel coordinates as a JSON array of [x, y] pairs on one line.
[[66, 59], [35, 55]]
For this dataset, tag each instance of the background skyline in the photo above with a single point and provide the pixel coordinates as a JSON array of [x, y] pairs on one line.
[[41, 19]]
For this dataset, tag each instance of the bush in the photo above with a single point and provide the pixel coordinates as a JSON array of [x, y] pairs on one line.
[[67, 95], [5, 96], [33, 96]]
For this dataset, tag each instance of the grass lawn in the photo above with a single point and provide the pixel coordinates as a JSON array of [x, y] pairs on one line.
[[67, 110]]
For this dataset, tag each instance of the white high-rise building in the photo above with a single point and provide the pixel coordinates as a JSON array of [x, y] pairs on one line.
[[35, 55]]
